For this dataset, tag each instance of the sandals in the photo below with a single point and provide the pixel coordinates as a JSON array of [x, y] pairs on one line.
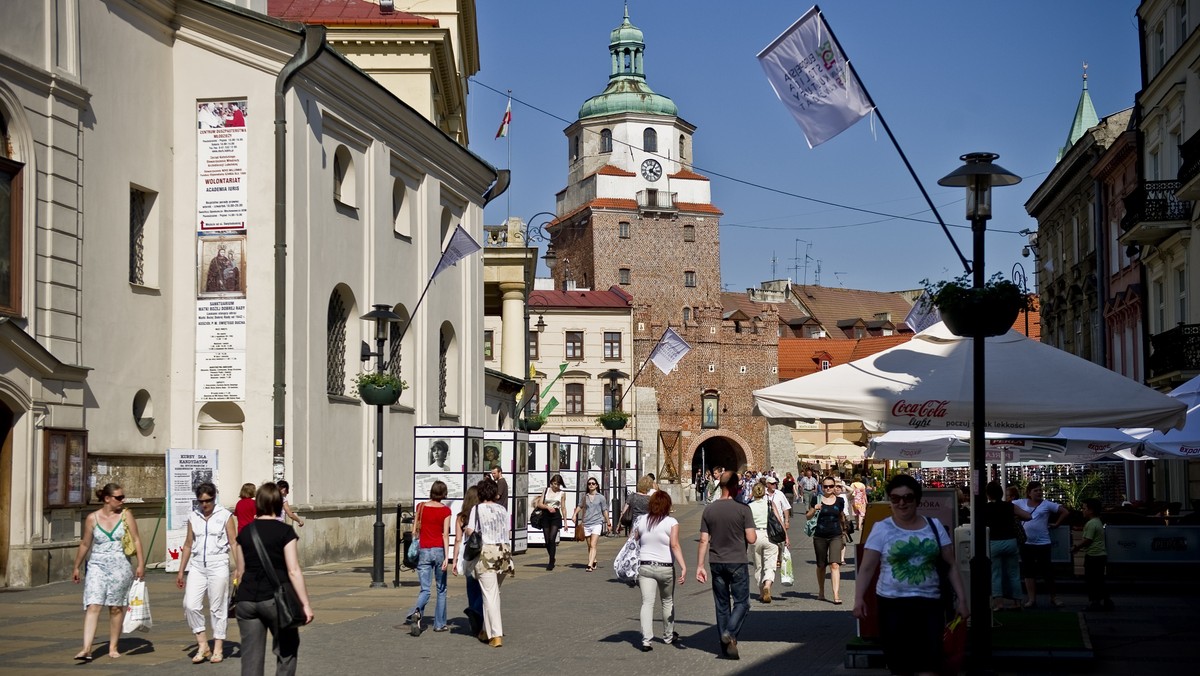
[[199, 657], [84, 657], [590, 567], [217, 658], [837, 602]]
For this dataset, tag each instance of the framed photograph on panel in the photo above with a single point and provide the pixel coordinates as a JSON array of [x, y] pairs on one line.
[[65, 461]]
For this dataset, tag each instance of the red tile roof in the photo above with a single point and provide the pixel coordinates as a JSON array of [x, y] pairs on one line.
[[698, 207], [833, 305], [343, 13], [610, 170], [614, 297], [802, 356], [689, 175]]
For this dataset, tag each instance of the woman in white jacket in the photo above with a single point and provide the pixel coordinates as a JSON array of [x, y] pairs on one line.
[[205, 558]]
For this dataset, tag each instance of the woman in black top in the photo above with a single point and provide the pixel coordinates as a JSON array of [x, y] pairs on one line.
[[256, 593], [1000, 518], [829, 537]]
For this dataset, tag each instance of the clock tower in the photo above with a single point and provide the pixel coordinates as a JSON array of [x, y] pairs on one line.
[[635, 215]]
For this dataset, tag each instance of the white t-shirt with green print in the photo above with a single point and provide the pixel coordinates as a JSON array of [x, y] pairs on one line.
[[906, 558]]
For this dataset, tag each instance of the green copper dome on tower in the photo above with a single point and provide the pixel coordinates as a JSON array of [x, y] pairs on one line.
[[627, 91]]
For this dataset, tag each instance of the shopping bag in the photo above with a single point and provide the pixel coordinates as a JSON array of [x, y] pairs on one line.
[[785, 569], [627, 562], [137, 614], [954, 645]]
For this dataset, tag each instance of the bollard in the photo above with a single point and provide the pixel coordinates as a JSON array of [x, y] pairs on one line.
[[403, 538]]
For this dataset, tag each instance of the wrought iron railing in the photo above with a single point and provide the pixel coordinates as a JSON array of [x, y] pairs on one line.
[[1176, 349], [1155, 201]]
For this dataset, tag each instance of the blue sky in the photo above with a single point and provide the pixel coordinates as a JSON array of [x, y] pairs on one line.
[[949, 78]]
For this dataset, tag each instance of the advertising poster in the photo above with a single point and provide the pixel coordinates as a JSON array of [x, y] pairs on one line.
[[221, 349], [186, 469], [221, 159]]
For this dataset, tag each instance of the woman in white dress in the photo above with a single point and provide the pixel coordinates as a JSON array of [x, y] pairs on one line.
[[109, 574]]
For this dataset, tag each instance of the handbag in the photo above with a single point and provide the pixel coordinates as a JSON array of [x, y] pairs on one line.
[[127, 543], [579, 532], [474, 544], [954, 645], [626, 520], [628, 561], [945, 589], [412, 555], [538, 518], [289, 613], [137, 615], [775, 531], [785, 569]]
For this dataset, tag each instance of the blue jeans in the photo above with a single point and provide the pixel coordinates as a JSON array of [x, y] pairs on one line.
[[1006, 570], [730, 584], [429, 570]]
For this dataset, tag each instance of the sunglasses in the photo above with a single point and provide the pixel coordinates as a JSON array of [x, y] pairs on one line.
[[118, 498], [828, 485], [204, 501], [592, 483], [902, 498]]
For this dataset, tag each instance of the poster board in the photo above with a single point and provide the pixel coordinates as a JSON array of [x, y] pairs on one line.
[[186, 469], [64, 465], [452, 455], [542, 448], [509, 450]]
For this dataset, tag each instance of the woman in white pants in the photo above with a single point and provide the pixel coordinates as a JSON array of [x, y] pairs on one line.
[[766, 553], [494, 564], [658, 541], [205, 561]]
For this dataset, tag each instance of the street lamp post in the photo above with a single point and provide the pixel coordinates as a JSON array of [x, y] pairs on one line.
[[1018, 277], [530, 233], [383, 317], [613, 376], [978, 175]]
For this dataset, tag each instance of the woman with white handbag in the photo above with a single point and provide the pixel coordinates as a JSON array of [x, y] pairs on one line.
[[109, 575]]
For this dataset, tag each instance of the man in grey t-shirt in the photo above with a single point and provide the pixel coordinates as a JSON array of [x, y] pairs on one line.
[[726, 529]]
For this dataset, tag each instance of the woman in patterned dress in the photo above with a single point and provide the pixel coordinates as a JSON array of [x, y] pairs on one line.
[[109, 574]]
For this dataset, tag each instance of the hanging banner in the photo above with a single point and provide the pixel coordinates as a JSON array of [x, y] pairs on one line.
[[221, 159], [187, 468], [221, 349]]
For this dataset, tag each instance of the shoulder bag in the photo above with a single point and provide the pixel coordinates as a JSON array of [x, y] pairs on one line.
[[289, 613], [474, 544], [775, 531], [127, 543], [945, 589], [538, 518], [412, 555]]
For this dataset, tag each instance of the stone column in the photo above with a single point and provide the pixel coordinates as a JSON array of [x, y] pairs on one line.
[[512, 317]]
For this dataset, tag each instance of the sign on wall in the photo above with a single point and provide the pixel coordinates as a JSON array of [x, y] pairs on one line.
[[221, 159], [221, 349], [187, 468]]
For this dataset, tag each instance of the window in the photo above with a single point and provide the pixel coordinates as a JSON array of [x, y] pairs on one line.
[[689, 233], [335, 345], [1160, 306], [11, 183], [689, 278], [575, 147], [860, 332], [623, 229], [488, 353], [574, 345], [612, 345], [612, 397], [650, 140], [574, 401], [623, 275], [533, 346], [606, 140], [401, 208], [687, 315], [825, 364], [682, 146], [1181, 291], [343, 177], [1157, 50]]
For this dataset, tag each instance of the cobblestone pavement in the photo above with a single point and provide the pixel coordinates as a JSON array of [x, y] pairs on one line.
[[554, 621]]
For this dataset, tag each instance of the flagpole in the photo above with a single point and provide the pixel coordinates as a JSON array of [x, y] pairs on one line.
[[643, 368], [509, 135], [904, 158], [449, 247]]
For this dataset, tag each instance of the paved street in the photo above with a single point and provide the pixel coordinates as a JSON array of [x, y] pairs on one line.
[[564, 620]]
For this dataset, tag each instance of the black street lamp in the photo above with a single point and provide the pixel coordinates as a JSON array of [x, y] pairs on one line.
[[1018, 277], [978, 176], [383, 317], [532, 233], [613, 376]]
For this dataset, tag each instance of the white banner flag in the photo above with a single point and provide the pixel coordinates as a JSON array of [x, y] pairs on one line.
[[670, 349], [461, 245], [812, 77], [922, 315]]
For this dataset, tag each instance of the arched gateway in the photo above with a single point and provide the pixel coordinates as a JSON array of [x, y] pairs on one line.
[[717, 449]]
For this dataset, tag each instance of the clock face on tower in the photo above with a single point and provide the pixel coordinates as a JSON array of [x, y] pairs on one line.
[[651, 170]]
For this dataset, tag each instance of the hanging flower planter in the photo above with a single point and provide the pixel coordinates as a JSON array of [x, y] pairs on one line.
[[991, 310], [531, 424], [379, 388], [613, 420]]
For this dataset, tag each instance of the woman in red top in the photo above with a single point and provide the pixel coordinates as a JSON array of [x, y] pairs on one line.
[[432, 526], [245, 509]]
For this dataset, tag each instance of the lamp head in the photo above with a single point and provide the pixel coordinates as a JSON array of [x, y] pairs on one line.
[[978, 175]]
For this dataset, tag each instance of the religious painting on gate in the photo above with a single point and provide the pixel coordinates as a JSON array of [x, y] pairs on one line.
[[711, 416]]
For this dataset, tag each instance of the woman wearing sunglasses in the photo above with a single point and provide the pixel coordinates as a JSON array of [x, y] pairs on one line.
[[828, 539], [593, 509], [903, 549], [553, 500], [109, 575], [211, 531]]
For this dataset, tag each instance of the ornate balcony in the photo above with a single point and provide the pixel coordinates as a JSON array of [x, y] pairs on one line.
[[1153, 213], [1175, 351]]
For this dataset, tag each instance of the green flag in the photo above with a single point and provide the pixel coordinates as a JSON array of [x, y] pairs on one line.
[[550, 406], [562, 368]]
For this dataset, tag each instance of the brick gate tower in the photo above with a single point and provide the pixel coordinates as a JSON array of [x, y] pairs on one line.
[[635, 214]]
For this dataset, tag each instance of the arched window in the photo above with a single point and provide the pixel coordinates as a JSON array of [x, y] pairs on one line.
[[448, 372], [606, 140], [575, 148], [682, 147], [344, 187], [650, 140], [574, 402], [335, 343], [396, 352]]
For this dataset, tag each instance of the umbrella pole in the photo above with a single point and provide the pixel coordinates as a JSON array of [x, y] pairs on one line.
[[980, 636]]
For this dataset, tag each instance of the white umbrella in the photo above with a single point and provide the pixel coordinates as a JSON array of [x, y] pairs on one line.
[[1071, 444], [838, 449], [1177, 443], [926, 384]]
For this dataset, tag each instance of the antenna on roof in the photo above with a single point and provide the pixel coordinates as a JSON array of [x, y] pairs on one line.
[[817, 276], [801, 262], [839, 278]]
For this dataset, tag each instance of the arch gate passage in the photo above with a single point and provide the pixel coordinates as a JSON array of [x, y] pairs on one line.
[[718, 449]]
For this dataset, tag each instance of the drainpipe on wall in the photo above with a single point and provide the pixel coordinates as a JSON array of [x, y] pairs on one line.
[[310, 48]]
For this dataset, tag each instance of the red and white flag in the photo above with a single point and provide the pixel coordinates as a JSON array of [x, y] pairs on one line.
[[812, 77], [503, 130]]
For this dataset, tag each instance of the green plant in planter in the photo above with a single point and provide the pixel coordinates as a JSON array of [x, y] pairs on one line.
[[532, 422], [379, 387], [961, 305], [613, 420]]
